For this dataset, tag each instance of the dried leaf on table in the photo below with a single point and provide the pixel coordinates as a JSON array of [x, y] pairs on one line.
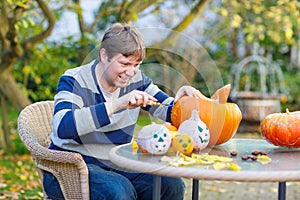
[[217, 162], [263, 159]]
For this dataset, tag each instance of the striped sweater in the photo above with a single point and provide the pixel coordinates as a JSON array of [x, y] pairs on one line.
[[81, 122]]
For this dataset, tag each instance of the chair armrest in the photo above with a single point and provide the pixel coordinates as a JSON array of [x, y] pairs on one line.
[[69, 169]]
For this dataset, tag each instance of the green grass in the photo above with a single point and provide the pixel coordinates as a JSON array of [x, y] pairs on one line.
[[143, 120]]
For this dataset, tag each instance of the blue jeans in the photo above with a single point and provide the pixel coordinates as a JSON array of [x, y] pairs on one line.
[[119, 185]]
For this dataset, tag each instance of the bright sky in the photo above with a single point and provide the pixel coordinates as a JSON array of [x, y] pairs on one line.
[[69, 25]]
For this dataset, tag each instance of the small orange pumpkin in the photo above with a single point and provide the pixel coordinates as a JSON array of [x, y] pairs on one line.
[[282, 129], [221, 117], [170, 127]]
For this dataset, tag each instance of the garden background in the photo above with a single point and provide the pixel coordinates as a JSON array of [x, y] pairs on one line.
[[40, 39]]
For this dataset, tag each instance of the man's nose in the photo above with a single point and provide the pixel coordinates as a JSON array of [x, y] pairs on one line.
[[130, 71]]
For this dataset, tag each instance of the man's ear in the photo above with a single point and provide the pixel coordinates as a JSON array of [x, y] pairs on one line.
[[103, 56]]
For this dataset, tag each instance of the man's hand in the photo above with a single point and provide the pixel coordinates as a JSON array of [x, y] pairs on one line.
[[133, 99], [188, 91]]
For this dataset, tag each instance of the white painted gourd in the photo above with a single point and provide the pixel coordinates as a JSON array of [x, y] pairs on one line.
[[154, 139], [197, 129]]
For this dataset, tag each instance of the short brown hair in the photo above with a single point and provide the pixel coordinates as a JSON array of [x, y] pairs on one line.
[[123, 39]]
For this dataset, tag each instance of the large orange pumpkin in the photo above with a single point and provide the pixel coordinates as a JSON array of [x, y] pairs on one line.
[[282, 129], [221, 117]]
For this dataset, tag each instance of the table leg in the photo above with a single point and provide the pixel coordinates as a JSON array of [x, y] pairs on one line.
[[156, 187], [195, 192], [281, 190]]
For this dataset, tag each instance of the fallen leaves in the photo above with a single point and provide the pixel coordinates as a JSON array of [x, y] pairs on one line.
[[263, 159], [216, 189], [217, 162], [19, 178]]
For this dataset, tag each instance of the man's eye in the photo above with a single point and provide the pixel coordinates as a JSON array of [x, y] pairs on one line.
[[123, 65]]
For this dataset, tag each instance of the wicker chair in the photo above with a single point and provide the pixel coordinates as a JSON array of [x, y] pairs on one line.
[[35, 125]]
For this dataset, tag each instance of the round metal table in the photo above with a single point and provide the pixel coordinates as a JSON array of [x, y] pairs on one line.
[[284, 166]]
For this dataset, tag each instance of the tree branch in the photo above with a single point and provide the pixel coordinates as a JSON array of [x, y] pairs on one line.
[[81, 23], [122, 8], [104, 9], [12, 34], [4, 26], [195, 13], [11, 47], [135, 6], [47, 32]]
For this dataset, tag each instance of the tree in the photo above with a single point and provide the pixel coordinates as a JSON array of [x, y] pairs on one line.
[[14, 18], [15, 15]]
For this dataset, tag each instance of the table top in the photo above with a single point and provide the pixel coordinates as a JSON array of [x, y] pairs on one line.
[[283, 167]]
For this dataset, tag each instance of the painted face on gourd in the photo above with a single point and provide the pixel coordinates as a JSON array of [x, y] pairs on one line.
[[197, 129], [183, 143], [154, 139]]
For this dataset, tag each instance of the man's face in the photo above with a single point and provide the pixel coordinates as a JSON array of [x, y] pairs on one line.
[[119, 71]]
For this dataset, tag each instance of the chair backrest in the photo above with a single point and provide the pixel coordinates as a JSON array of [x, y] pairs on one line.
[[35, 124]]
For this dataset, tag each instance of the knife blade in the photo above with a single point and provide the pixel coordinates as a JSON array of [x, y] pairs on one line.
[[156, 103]]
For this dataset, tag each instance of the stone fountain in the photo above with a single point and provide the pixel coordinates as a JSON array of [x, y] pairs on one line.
[[257, 88]]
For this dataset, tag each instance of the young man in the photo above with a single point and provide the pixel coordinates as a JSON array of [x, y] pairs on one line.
[[96, 108]]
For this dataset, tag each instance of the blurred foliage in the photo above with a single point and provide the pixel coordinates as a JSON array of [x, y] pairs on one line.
[[267, 28], [292, 81], [41, 68], [270, 23]]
